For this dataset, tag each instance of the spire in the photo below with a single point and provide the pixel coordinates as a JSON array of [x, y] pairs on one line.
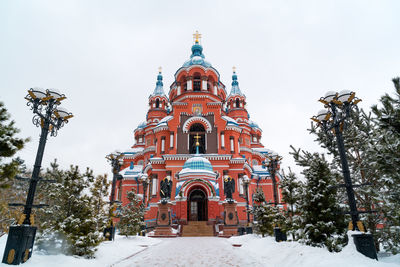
[[235, 84], [159, 85]]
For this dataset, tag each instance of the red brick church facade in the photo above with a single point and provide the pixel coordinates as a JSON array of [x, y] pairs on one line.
[[197, 107]]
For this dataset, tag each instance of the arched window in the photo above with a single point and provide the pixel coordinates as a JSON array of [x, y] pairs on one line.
[[197, 83], [157, 103], [237, 102], [197, 130]]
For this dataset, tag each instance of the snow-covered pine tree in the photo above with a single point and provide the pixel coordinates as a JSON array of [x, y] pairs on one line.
[[9, 145], [131, 216], [99, 195], [321, 221], [387, 155], [292, 189], [266, 216], [72, 216]]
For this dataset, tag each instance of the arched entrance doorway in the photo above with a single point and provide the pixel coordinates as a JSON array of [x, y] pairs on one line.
[[197, 205]]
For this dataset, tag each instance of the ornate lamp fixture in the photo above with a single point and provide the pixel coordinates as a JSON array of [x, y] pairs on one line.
[[50, 117], [333, 120]]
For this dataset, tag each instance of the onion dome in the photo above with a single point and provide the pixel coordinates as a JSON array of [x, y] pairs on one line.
[[159, 90], [197, 57], [197, 164], [252, 124], [235, 85], [142, 125]]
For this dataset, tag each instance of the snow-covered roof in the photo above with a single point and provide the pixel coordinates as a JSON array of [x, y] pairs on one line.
[[252, 124], [259, 169], [142, 125], [165, 120], [132, 171], [262, 150], [133, 150], [230, 120]]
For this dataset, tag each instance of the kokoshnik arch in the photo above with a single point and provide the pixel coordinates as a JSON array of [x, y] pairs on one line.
[[199, 111]]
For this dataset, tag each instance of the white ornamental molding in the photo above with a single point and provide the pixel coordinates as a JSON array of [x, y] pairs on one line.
[[237, 161], [246, 149], [161, 128], [204, 121], [148, 149]]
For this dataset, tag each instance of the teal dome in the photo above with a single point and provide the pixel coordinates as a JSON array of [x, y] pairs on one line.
[[197, 164]]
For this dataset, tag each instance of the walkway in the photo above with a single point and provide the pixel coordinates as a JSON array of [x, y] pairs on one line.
[[192, 251]]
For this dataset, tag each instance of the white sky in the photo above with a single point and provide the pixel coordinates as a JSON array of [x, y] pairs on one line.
[[104, 56]]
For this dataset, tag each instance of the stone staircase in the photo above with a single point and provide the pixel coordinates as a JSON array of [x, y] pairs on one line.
[[197, 228]]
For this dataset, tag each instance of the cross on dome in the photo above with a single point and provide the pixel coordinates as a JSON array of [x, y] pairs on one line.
[[196, 37]]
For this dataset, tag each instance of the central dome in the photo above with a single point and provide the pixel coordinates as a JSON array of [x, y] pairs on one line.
[[197, 57], [197, 164]]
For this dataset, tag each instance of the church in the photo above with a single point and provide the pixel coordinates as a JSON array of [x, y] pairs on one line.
[[196, 139]]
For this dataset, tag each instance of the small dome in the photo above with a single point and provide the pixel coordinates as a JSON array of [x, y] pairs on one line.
[[197, 164], [142, 125]]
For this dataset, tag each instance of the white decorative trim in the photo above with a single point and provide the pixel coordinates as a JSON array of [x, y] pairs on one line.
[[237, 161], [157, 161], [161, 128], [243, 148], [197, 118], [149, 149], [233, 128]]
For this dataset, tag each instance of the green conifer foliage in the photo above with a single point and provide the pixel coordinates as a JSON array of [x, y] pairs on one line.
[[9, 145], [75, 220], [387, 162], [131, 215], [321, 222], [266, 216]]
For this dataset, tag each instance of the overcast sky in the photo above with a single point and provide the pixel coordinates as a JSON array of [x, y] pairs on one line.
[[104, 56]]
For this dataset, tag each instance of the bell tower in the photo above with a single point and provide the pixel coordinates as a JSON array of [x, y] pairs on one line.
[[158, 101], [236, 101]]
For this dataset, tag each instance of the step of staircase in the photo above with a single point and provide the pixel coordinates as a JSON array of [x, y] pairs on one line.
[[197, 228]]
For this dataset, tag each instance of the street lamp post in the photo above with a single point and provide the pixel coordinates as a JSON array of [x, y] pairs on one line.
[[272, 161], [246, 181], [338, 108], [50, 117], [144, 178], [116, 160]]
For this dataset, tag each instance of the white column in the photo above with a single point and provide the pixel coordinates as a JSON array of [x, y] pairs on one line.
[[189, 85], [162, 145], [215, 90], [171, 140], [232, 145], [204, 85], [154, 189], [222, 140], [179, 90]]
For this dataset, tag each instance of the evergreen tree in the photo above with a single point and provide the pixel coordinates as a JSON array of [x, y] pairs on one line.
[[320, 221], [73, 214], [387, 161], [9, 145], [131, 216], [291, 188], [266, 216]]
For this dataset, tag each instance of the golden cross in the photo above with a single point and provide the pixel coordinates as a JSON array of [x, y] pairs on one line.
[[197, 37], [197, 137], [159, 69]]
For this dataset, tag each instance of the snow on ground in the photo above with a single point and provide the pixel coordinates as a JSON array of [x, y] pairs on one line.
[[209, 251], [108, 253]]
